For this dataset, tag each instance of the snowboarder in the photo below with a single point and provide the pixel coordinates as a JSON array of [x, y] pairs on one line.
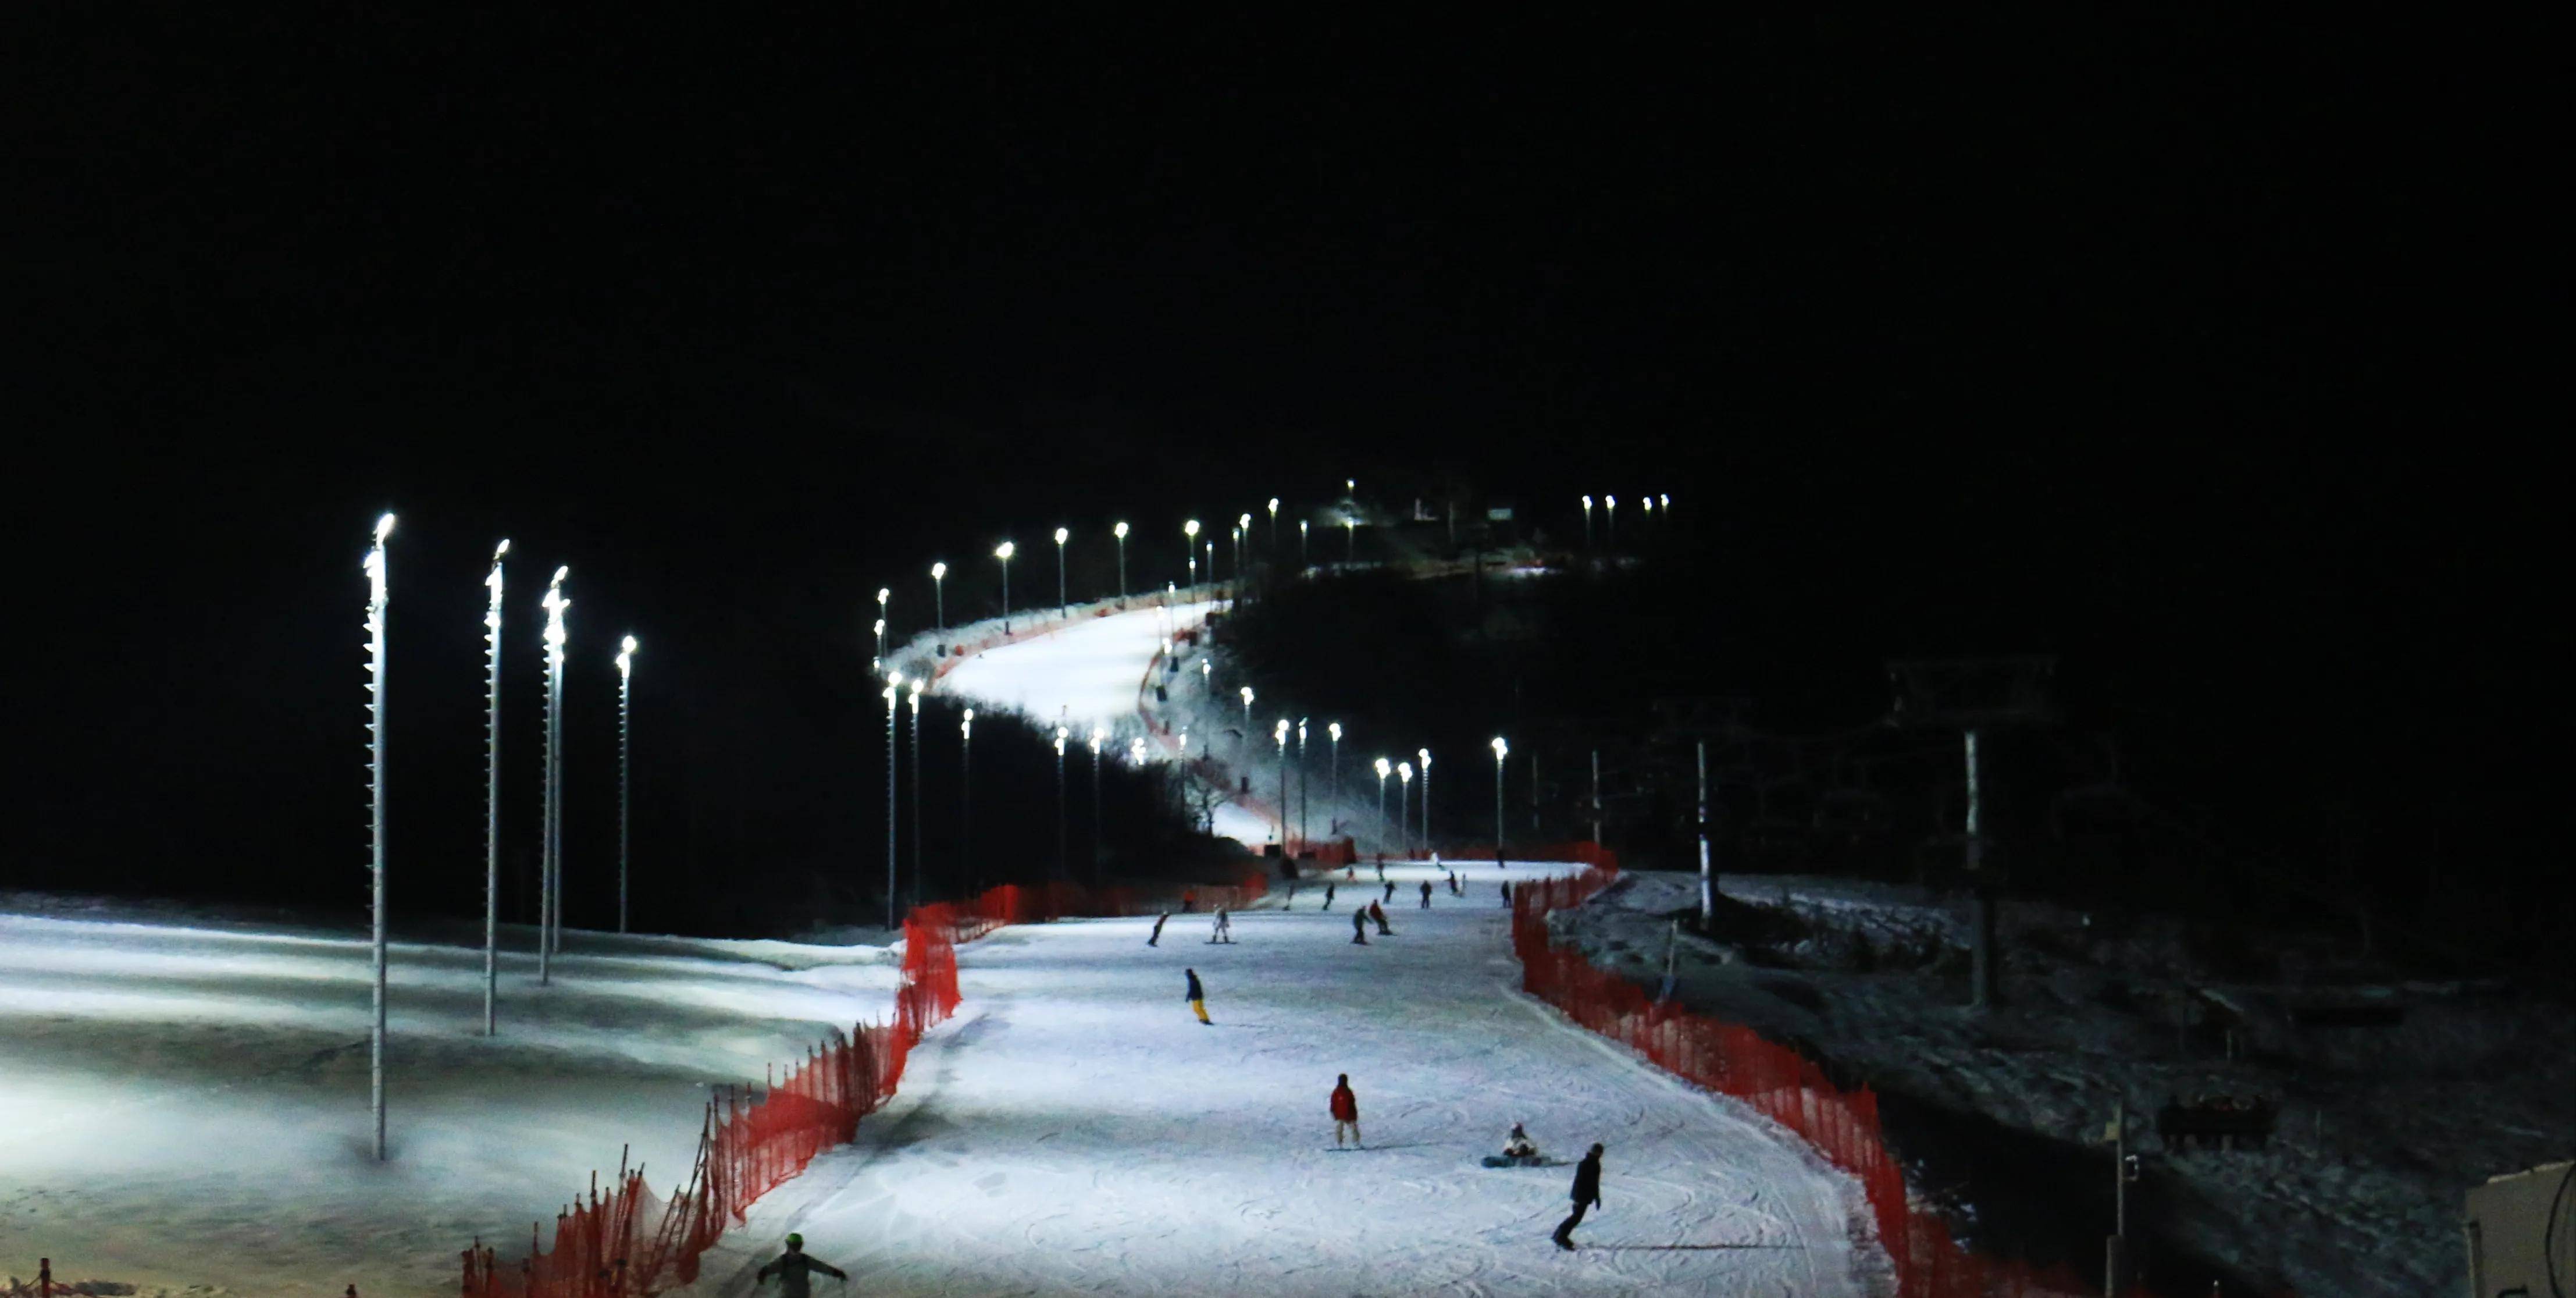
[[1197, 996], [1507, 894], [1426, 894], [1159, 921], [1223, 931], [1390, 892], [1346, 1111], [1359, 925], [793, 1266], [1377, 916], [1518, 1151], [1328, 895], [1586, 1194]]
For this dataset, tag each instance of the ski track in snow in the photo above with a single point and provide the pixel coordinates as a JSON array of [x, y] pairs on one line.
[[1081, 1133]]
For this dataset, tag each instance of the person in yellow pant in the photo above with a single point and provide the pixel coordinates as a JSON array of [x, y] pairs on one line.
[[1198, 996]]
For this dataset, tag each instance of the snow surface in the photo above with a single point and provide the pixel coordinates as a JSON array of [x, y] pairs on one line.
[[1087, 672], [1077, 1131], [184, 1103]]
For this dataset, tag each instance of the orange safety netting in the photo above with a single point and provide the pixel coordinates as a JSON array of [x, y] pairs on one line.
[[627, 1241], [1782, 1084]]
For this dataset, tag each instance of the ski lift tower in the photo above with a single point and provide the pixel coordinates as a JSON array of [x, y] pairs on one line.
[[1699, 719], [1972, 696]]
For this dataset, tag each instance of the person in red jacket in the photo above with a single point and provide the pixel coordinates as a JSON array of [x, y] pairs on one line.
[[1346, 1111]]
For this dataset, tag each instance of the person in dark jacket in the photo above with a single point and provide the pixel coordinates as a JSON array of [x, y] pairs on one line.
[[1507, 894], [1159, 920], [1328, 895], [1377, 916], [1426, 894], [1390, 891], [793, 1266], [1359, 925], [1587, 1194], [1197, 995], [1346, 1111]]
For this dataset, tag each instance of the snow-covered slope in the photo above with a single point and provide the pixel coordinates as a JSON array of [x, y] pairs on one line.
[[1080, 1132], [185, 1103]]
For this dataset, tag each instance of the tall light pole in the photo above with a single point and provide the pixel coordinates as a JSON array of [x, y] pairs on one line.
[[1242, 535], [1596, 797], [879, 661], [939, 594], [550, 865], [1501, 750], [1097, 734], [1003, 552], [1383, 770], [1063, 852], [917, 827], [893, 696], [1610, 508], [1587, 524], [625, 762], [1425, 755], [379, 604], [1211, 558], [1305, 796], [1303, 552], [1205, 679], [1281, 734], [882, 594], [1274, 525], [1247, 711], [1335, 730], [1120, 532], [1061, 603], [492, 796], [1350, 538], [966, 799], [1403, 804], [1190, 530]]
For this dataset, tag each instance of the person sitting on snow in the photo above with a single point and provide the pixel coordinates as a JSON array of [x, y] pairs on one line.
[[792, 1267], [1519, 1145]]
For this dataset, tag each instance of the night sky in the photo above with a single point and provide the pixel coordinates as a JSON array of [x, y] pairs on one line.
[[2188, 349]]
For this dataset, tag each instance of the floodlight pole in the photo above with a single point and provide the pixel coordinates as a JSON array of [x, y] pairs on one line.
[[1382, 769], [1707, 881], [1281, 734], [893, 701], [917, 834], [550, 852], [1425, 755], [492, 797], [1501, 750], [1335, 797], [1063, 850], [625, 763], [1305, 796], [1120, 532], [1003, 552], [1403, 807], [1095, 807], [939, 595], [1062, 602], [1304, 558], [1596, 797], [379, 602], [966, 800]]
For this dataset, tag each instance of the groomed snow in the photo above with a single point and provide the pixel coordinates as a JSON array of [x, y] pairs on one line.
[[185, 1103], [1087, 672], [1077, 1131]]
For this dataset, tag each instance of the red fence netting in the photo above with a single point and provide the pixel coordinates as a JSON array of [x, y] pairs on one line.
[[626, 1241], [1785, 1086]]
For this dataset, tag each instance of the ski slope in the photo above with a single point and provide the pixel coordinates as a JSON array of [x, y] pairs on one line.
[[183, 1100], [1086, 673], [1076, 1131]]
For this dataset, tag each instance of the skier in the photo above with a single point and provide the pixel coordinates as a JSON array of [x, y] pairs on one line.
[[1223, 931], [793, 1266], [1197, 996], [1381, 867], [1426, 894], [1359, 925], [1507, 894], [1390, 892], [1328, 895], [1377, 916], [1346, 1111], [1159, 921], [1586, 1194]]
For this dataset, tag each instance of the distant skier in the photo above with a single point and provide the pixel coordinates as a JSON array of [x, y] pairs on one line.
[[1223, 930], [793, 1266], [1346, 1111], [1159, 921], [1426, 894], [1586, 1194], [1381, 867], [1359, 925], [1507, 894], [1328, 896], [1454, 889], [1390, 892], [1197, 996], [1377, 916]]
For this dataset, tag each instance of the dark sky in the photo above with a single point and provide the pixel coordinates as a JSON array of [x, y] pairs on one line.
[[2186, 342]]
